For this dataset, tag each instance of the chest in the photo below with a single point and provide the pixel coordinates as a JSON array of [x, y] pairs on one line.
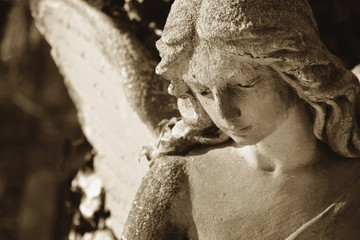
[[233, 201]]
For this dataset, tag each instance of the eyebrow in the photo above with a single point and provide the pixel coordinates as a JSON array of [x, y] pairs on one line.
[[196, 84], [193, 80], [248, 80]]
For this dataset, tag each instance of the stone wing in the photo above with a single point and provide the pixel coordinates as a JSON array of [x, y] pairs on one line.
[[110, 77]]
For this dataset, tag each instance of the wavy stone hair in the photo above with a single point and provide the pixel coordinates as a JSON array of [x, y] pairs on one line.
[[283, 35]]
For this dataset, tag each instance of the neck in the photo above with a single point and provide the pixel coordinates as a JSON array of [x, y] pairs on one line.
[[292, 146]]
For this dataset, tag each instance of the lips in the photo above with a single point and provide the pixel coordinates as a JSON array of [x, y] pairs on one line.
[[236, 130]]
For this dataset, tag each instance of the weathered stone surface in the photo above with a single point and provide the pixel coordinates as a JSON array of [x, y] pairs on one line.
[[110, 77], [164, 190], [259, 71], [246, 31], [279, 181]]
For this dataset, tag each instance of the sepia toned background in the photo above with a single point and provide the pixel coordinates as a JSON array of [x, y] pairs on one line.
[[41, 143]]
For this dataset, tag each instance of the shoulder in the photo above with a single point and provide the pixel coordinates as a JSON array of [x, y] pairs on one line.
[[167, 168], [162, 194]]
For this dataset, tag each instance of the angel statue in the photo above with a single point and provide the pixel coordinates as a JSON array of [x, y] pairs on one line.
[[267, 142], [257, 71]]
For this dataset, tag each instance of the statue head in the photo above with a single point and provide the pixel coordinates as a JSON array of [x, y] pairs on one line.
[[272, 46]]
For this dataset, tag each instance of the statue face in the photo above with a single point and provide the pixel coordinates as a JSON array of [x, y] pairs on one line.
[[246, 101]]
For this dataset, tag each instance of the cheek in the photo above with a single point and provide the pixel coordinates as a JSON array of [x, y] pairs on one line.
[[270, 109], [209, 105]]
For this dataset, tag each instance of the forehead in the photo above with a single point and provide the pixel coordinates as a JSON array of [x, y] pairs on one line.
[[212, 63]]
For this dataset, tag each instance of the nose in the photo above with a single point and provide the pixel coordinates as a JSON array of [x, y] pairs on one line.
[[226, 106]]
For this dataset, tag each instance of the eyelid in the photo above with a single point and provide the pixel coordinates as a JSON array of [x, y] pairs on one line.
[[251, 84], [245, 86], [205, 92]]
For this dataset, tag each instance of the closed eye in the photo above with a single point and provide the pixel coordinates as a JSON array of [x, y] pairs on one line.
[[205, 92], [245, 86]]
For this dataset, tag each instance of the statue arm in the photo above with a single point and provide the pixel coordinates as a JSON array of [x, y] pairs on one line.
[[161, 209]]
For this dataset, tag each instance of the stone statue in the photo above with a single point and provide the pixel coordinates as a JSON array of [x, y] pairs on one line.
[[257, 72]]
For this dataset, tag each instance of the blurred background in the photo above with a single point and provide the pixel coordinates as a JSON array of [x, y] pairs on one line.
[[39, 131], [41, 143]]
